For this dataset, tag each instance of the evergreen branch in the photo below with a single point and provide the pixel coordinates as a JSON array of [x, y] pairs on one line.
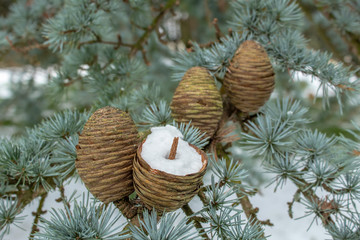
[[154, 115], [229, 171], [199, 219], [288, 110], [189, 212], [216, 58], [249, 231], [165, 228], [87, 219], [321, 173], [192, 134], [271, 137], [284, 167], [26, 197], [218, 32], [64, 156], [250, 211], [291, 204], [332, 14], [143, 53], [348, 183], [311, 196], [145, 95], [138, 45], [320, 32], [62, 125], [332, 76], [314, 144], [98, 39], [26, 49], [230, 174], [208, 188], [192, 45], [218, 195], [63, 198], [37, 214], [202, 196], [316, 152], [9, 212], [345, 229]]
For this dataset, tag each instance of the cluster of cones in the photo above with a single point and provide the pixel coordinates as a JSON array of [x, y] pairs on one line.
[[110, 164], [109, 151]]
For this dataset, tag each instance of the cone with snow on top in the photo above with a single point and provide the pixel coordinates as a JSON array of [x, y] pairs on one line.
[[168, 171]]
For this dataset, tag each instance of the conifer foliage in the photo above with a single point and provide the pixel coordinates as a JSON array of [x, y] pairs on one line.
[[141, 62]]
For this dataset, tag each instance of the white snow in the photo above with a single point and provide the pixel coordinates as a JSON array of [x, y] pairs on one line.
[[156, 149]]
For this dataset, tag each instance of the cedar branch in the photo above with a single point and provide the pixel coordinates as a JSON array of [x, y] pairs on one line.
[[139, 44], [37, 214], [189, 212]]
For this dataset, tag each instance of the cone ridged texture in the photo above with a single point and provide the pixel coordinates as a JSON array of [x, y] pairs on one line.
[[250, 79], [162, 190], [197, 99], [107, 147]]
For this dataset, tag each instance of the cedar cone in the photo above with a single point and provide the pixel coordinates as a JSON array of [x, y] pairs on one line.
[[197, 99], [250, 79], [107, 147], [164, 191]]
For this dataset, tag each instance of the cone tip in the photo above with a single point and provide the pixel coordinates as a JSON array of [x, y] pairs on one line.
[[197, 69], [251, 43]]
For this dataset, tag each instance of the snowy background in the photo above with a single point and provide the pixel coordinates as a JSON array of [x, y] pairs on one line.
[[272, 205]]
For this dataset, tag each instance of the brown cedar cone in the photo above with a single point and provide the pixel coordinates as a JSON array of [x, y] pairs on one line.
[[164, 191], [107, 146], [197, 99], [249, 81]]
